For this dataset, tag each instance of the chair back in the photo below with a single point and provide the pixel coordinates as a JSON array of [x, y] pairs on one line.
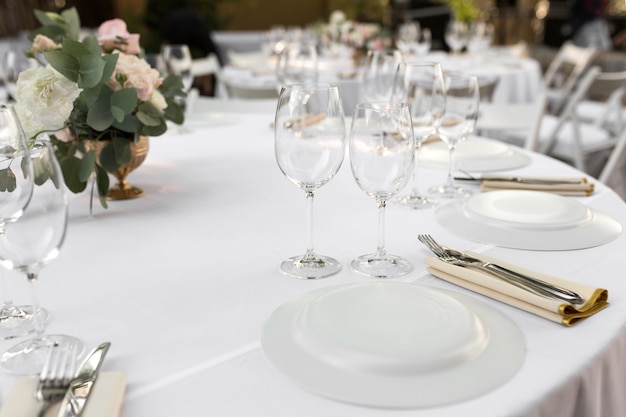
[[564, 71]]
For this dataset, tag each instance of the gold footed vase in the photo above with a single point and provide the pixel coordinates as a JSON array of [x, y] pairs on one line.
[[123, 190]]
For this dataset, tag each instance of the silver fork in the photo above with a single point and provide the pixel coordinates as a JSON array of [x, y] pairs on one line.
[[56, 374], [525, 282]]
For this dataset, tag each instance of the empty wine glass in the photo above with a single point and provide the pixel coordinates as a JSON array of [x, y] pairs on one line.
[[459, 120], [480, 37], [382, 151], [424, 42], [29, 244], [407, 36], [310, 138], [297, 63], [379, 74], [177, 61], [457, 35], [421, 86], [16, 187]]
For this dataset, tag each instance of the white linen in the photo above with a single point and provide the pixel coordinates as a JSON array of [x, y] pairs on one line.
[[181, 280]]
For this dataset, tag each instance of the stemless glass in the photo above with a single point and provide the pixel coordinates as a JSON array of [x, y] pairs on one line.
[[310, 139], [382, 151], [420, 85], [16, 187], [29, 244], [297, 63], [379, 74], [459, 120]]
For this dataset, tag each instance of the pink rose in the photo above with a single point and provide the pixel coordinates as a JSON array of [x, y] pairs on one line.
[[137, 74], [42, 43], [113, 34]]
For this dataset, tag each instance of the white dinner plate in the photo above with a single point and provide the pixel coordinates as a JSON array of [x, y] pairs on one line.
[[474, 154], [394, 345], [532, 220]]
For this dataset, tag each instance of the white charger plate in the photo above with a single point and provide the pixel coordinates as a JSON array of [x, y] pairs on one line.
[[393, 345], [474, 154], [531, 220]]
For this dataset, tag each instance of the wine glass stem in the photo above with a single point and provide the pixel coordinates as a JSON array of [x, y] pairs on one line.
[[7, 303], [37, 322], [310, 252], [451, 166], [415, 185], [380, 250]]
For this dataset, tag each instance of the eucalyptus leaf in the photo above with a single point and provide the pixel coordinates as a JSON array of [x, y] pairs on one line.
[[102, 180], [154, 130], [65, 63], [8, 181], [122, 149], [90, 73], [130, 124], [75, 48], [48, 18], [174, 113], [72, 22], [91, 43], [90, 95], [109, 66], [41, 169], [87, 165], [99, 116], [118, 114], [70, 167], [149, 115], [125, 99]]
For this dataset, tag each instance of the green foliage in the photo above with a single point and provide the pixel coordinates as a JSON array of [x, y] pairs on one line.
[[463, 10]]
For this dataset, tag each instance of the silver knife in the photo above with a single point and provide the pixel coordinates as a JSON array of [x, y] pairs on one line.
[[77, 394], [526, 180]]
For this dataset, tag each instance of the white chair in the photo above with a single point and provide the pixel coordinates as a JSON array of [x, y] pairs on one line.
[[567, 138], [615, 161], [564, 71], [515, 123], [209, 65], [604, 105]]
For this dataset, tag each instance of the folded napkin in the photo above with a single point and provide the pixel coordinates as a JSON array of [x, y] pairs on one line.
[[596, 299], [105, 400], [569, 186]]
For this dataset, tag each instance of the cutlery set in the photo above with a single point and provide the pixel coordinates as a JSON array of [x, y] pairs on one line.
[[59, 383], [525, 282]]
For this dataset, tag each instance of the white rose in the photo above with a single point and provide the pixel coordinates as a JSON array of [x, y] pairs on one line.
[[45, 99], [337, 17], [158, 101]]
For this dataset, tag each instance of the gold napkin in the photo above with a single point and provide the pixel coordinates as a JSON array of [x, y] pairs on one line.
[[579, 188], [596, 299], [105, 400]]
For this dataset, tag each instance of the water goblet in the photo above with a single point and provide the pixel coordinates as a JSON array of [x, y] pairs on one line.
[[29, 244], [16, 187], [407, 36], [382, 151], [456, 35], [379, 74], [310, 138], [459, 120], [420, 85]]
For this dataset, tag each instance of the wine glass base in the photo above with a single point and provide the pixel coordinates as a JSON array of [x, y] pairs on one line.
[[415, 201], [17, 321], [450, 191], [315, 267], [389, 266], [29, 356]]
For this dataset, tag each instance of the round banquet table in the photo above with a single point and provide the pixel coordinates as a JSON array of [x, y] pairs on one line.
[[181, 281], [518, 79]]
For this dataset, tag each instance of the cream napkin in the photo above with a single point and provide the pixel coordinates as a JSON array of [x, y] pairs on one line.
[[580, 188], [596, 299], [105, 400]]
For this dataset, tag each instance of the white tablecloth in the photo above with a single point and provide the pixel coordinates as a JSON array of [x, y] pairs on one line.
[[182, 280]]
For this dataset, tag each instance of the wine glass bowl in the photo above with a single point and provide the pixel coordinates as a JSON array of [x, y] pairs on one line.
[[382, 150], [309, 131], [379, 75], [459, 121], [420, 85], [457, 35], [297, 63], [29, 244]]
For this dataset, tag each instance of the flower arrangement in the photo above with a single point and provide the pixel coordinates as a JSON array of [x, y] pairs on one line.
[[356, 35], [97, 88]]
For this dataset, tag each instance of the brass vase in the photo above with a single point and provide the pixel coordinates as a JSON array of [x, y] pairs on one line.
[[123, 190]]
